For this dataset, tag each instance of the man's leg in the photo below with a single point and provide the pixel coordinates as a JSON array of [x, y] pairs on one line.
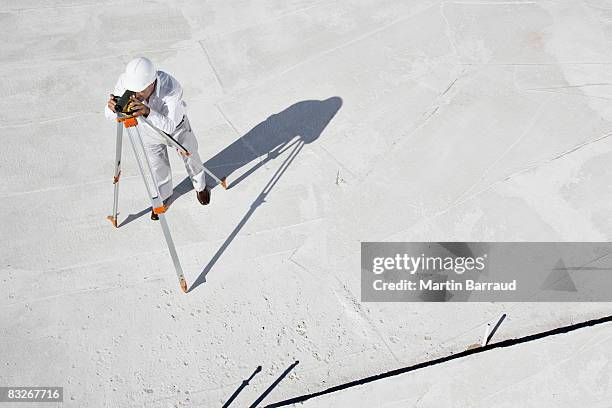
[[193, 164], [160, 164]]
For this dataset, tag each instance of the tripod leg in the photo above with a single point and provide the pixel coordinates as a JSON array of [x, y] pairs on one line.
[[222, 182], [113, 218], [156, 202], [182, 150]]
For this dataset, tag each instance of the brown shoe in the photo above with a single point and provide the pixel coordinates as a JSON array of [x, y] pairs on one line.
[[154, 216], [203, 196]]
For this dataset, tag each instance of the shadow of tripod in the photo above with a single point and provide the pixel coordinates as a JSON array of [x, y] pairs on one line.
[[261, 198], [300, 124]]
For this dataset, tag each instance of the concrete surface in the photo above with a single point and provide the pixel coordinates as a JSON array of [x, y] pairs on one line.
[[424, 120], [566, 370]]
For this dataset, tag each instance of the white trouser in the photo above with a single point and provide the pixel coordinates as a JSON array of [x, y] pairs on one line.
[[158, 155]]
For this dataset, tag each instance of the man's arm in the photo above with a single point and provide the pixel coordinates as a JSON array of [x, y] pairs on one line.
[[118, 91], [168, 121]]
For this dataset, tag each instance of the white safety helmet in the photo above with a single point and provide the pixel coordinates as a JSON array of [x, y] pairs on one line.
[[139, 73]]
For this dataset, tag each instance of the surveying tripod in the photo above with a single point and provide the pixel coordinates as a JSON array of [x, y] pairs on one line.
[[131, 124]]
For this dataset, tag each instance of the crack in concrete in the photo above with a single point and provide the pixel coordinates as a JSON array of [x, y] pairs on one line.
[[505, 179], [449, 87], [530, 125], [321, 54], [212, 66], [260, 23], [463, 354], [569, 93], [524, 379], [351, 302], [238, 133], [567, 86], [449, 31]]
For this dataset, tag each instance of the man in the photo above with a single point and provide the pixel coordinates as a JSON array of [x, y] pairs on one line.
[[159, 99]]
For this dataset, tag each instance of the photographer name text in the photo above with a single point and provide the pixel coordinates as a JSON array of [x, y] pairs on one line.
[[451, 285]]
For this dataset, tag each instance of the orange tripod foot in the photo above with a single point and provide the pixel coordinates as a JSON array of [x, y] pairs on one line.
[[113, 220], [183, 285]]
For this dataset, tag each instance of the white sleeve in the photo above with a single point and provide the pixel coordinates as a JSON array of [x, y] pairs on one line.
[[118, 91], [174, 110]]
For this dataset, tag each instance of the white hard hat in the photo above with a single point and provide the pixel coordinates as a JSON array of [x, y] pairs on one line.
[[139, 73]]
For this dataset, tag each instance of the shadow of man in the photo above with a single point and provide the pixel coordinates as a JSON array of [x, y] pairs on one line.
[[299, 124], [305, 119]]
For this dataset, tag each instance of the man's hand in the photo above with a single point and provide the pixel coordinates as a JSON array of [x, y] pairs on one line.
[[138, 108], [183, 154], [112, 103]]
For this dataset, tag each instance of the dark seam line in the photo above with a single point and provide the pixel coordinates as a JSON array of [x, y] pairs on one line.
[[504, 343]]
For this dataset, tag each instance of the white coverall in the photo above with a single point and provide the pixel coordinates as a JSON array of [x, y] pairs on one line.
[[168, 114]]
